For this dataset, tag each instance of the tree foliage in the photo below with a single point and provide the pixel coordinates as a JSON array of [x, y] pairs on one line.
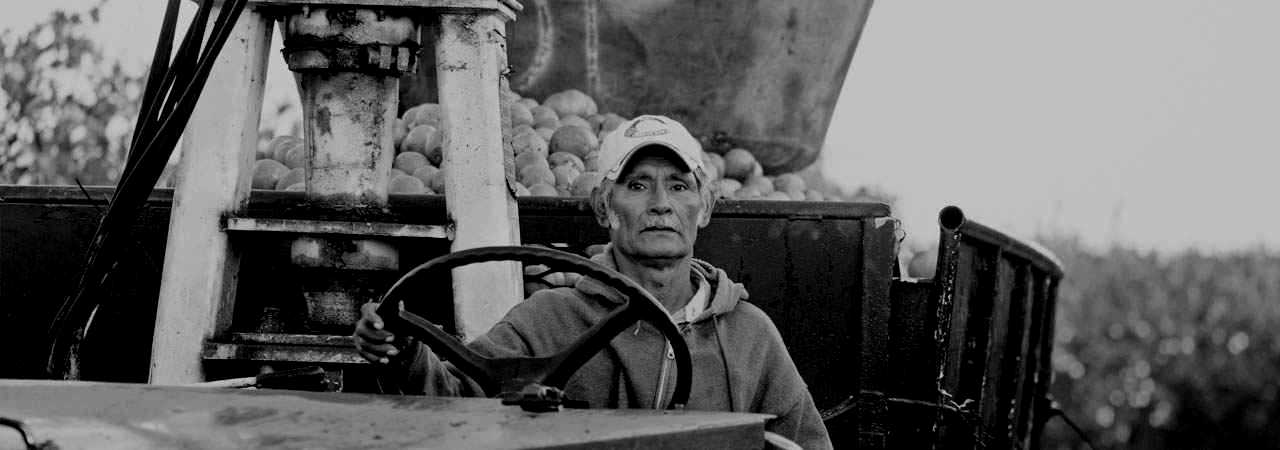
[[68, 110], [1168, 351]]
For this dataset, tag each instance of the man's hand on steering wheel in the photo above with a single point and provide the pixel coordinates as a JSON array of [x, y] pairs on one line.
[[375, 343]]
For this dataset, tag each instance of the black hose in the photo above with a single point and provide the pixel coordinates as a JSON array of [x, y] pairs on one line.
[[170, 96]]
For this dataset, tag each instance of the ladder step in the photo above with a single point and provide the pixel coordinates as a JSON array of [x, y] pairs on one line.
[[305, 348], [365, 229]]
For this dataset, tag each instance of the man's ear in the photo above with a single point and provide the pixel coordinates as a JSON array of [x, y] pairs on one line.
[[709, 200], [599, 206]]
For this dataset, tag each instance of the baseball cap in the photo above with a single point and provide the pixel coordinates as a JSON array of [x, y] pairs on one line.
[[619, 145]]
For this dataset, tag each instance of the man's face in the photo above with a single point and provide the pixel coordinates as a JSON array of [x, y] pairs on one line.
[[655, 209]]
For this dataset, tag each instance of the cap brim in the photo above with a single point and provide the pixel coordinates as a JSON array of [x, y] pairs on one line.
[[618, 168]]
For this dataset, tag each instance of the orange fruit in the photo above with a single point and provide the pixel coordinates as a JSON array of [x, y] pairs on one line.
[[543, 190], [296, 157], [520, 115], [739, 164], [435, 182], [762, 184], [747, 193], [290, 178], [280, 145], [571, 102], [565, 175], [611, 122], [544, 117], [424, 173], [595, 120], [789, 182], [591, 162], [267, 172], [528, 159], [714, 160], [529, 141], [405, 184], [410, 161], [517, 129], [574, 139], [534, 174], [575, 121], [424, 139], [725, 187], [586, 182], [424, 114], [562, 158], [399, 129]]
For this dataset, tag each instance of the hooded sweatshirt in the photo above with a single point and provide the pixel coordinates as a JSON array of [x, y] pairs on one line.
[[739, 361]]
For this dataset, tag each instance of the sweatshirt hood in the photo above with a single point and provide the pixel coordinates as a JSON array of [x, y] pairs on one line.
[[725, 293]]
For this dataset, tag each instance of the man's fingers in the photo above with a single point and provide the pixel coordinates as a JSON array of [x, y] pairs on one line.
[[366, 331], [376, 359], [369, 311], [380, 353]]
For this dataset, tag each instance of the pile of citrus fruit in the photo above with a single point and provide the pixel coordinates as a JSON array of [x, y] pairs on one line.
[[555, 143]]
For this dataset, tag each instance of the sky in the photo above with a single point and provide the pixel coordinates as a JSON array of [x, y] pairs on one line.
[[1149, 123], [1153, 123]]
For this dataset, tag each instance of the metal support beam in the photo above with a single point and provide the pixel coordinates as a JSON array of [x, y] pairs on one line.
[[471, 58], [197, 290]]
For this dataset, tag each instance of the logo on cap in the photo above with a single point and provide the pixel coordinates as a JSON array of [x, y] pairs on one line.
[[634, 131]]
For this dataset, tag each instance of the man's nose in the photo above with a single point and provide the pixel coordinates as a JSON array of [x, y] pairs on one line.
[[659, 202]]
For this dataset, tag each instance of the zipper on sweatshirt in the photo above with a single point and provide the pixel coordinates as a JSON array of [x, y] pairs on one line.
[[668, 359], [662, 376]]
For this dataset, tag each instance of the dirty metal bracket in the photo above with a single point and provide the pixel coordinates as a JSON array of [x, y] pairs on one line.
[[507, 8], [333, 227], [374, 58]]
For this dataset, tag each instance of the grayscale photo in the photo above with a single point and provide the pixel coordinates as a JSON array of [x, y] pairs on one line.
[[639, 224]]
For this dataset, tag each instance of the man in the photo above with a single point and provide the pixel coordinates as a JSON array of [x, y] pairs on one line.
[[653, 199]]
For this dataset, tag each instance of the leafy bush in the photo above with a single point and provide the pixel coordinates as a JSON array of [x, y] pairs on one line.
[[68, 111], [1176, 351]]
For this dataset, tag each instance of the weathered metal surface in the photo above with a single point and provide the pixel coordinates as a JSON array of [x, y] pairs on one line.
[[89, 415], [347, 121], [389, 59], [343, 253], [508, 8], [338, 227], [291, 339], [281, 353], [996, 370], [347, 114], [215, 173], [470, 64], [284, 347], [764, 75]]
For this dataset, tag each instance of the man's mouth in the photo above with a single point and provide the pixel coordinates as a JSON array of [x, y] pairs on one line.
[[658, 228]]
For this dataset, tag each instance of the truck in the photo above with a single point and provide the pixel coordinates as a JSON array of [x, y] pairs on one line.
[[960, 359]]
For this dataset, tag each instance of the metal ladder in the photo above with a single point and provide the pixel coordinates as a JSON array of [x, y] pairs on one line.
[[347, 56]]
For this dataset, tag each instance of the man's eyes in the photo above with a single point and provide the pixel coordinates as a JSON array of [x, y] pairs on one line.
[[640, 186]]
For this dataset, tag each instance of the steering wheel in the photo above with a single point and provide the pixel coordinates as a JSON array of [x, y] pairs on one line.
[[516, 374]]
